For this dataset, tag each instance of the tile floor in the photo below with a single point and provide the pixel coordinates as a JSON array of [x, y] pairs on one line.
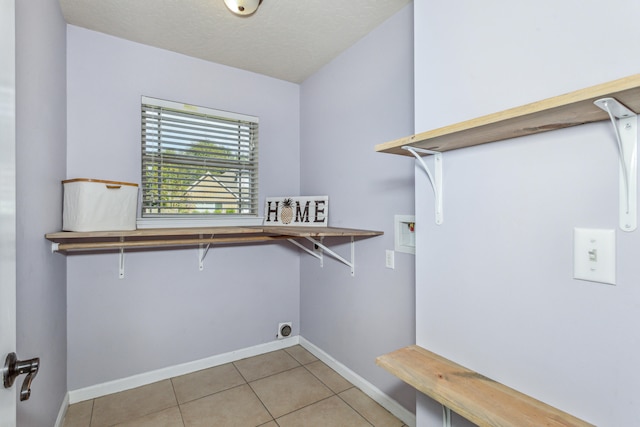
[[284, 388]]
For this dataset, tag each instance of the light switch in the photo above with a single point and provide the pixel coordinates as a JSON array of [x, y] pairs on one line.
[[594, 255]]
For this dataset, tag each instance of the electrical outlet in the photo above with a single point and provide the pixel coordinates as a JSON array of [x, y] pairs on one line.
[[390, 259]]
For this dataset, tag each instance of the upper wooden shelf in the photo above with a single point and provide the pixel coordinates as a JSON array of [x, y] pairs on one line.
[[95, 240], [477, 398], [571, 109]]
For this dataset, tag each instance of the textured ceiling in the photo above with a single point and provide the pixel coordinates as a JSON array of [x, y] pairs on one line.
[[285, 39]]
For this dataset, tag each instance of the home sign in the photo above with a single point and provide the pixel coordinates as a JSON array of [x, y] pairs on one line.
[[297, 211]]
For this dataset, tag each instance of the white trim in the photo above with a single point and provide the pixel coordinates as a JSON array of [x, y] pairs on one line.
[[134, 381], [365, 386], [63, 411], [8, 200], [196, 109]]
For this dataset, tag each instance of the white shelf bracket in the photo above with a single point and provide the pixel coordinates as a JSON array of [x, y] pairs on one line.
[[318, 250], [307, 250], [121, 262], [435, 179], [335, 255], [202, 253], [446, 416], [625, 126]]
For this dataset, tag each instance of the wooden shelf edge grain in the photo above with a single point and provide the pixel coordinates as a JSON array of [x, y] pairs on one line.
[[562, 111], [319, 231], [477, 398], [146, 233], [165, 237]]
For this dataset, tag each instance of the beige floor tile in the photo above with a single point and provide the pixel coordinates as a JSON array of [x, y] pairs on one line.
[[238, 406], [331, 412], [168, 418], [370, 409], [291, 385], [301, 354], [266, 364], [208, 381], [329, 377], [131, 404], [289, 391], [79, 414]]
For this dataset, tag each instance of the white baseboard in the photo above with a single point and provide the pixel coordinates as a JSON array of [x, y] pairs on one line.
[[367, 388], [139, 380], [63, 411], [115, 386]]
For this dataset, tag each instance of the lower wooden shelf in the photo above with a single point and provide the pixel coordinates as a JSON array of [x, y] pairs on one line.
[[148, 238], [67, 241], [477, 398]]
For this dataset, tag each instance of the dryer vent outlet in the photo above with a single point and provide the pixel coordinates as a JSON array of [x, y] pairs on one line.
[[284, 330]]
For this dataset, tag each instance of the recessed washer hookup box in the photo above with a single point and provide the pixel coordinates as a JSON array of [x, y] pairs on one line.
[[98, 205]]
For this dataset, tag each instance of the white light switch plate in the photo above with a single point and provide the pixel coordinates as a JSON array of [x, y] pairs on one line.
[[594, 255]]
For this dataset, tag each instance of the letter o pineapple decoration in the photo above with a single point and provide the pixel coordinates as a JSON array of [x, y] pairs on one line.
[[286, 214]]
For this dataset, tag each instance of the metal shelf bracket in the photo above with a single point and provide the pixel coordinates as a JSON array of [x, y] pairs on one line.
[[121, 262], [313, 253], [319, 253], [202, 253], [435, 179], [336, 256], [446, 416], [625, 126]]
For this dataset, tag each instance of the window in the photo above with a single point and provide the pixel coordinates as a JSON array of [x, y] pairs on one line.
[[197, 162]]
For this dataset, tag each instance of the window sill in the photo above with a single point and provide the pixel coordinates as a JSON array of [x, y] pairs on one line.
[[147, 223]]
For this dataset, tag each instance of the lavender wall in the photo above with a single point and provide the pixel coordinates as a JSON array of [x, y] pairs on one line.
[[363, 97], [494, 282], [40, 165], [166, 311]]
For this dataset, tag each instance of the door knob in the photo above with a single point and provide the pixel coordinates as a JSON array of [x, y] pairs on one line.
[[14, 367]]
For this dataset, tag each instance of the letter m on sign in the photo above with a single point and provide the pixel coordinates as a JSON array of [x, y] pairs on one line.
[[302, 215]]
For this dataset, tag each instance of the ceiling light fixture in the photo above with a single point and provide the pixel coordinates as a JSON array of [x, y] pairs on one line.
[[243, 7]]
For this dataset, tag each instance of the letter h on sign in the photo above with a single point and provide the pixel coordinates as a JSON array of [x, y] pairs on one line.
[[268, 211]]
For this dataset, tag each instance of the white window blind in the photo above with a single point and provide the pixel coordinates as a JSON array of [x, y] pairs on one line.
[[197, 162]]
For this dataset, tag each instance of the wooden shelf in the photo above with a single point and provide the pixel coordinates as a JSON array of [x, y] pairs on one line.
[[67, 241], [572, 109], [146, 238], [471, 395]]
